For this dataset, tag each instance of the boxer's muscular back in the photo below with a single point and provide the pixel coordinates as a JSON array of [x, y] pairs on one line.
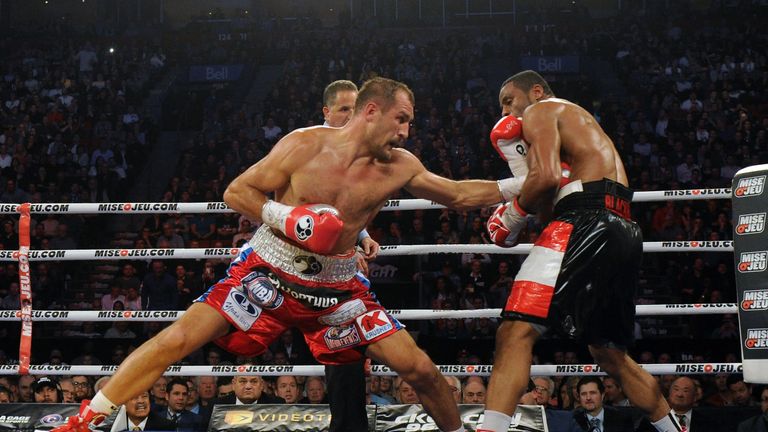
[[327, 171], [584, 144]]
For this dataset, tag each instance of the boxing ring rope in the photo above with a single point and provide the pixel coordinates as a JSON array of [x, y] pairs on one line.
[[403, 314], [387, 250], [391, 205], [378, 370], [26, 315]]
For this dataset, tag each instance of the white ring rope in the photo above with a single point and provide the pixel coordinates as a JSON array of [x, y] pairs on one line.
[[393, 250], [391, 205], [403, 314], [316, 370]]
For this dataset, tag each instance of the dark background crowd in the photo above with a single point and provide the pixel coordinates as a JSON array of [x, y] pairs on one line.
[[89, 112]]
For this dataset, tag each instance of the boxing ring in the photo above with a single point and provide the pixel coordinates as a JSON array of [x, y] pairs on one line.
[[27, 316]]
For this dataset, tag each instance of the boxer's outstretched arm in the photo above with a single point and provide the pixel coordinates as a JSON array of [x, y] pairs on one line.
[[460, 195], [544, 172], [246, 194]]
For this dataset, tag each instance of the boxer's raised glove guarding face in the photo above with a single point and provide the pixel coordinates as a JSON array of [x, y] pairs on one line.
[[507, 139], [506, 223], [84, 421], [316, 227]]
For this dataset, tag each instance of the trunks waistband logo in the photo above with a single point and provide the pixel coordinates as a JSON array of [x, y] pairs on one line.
[[307, 265]]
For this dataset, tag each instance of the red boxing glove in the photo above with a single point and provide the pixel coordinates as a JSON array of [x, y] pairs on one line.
[[507, 139], [506, 223], [316, 227], [83, 421]]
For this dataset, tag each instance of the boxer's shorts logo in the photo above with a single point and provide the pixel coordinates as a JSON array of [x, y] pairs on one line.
[[262, 291], [749, 186], [750, 262], [753, 223], [374, 324], [304, 228], [339, 337], [345, 313], [307, 265], [240, 309]]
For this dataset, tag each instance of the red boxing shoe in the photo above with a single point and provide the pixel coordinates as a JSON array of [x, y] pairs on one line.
[[83, 421]]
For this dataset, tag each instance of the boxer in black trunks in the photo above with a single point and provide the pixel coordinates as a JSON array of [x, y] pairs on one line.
[[579, 279]]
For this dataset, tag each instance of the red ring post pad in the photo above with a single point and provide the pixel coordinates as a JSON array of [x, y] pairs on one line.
[[25, 289], [750, 254]]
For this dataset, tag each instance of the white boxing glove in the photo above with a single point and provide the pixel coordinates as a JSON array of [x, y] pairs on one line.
[[507, 139], [506, 223]]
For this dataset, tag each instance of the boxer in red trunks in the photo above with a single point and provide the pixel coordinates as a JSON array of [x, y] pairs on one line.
[[300, 271]]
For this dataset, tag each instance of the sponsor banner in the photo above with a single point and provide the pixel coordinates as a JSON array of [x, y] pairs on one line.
[[700, 306], [278, 418], [755, 300], [694, 244], [753, 223], [253, 369], [751, 260], [118, 208], [215, 73], [717, 192], [41, 417], [404, 418], [129, 315], [745, 187], [551, 64]]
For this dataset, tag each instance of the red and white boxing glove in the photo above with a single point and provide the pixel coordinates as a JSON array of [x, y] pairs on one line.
[[316, 227], [506, 223], [84, 421], [507, 139]]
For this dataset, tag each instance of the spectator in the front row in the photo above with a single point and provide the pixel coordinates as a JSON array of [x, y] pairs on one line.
[[67, 390], [25, 388], [247, 390], [682, 398], [758, 423], [455, 385], [138, 415], [474, 391], [405, 393], [158, 292], [614, 394], [287, 388], [314, 387], [593, 415], [46, 390], [543, 390], [206, 387], [176, 392], [83, 387], [5, 395], [742, 392]]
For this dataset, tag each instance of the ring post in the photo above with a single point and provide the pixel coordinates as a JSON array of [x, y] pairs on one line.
[[750, 247]]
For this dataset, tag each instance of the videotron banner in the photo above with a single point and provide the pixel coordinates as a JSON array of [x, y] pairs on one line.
[[389, 418], [750, 254], [277, 418]]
